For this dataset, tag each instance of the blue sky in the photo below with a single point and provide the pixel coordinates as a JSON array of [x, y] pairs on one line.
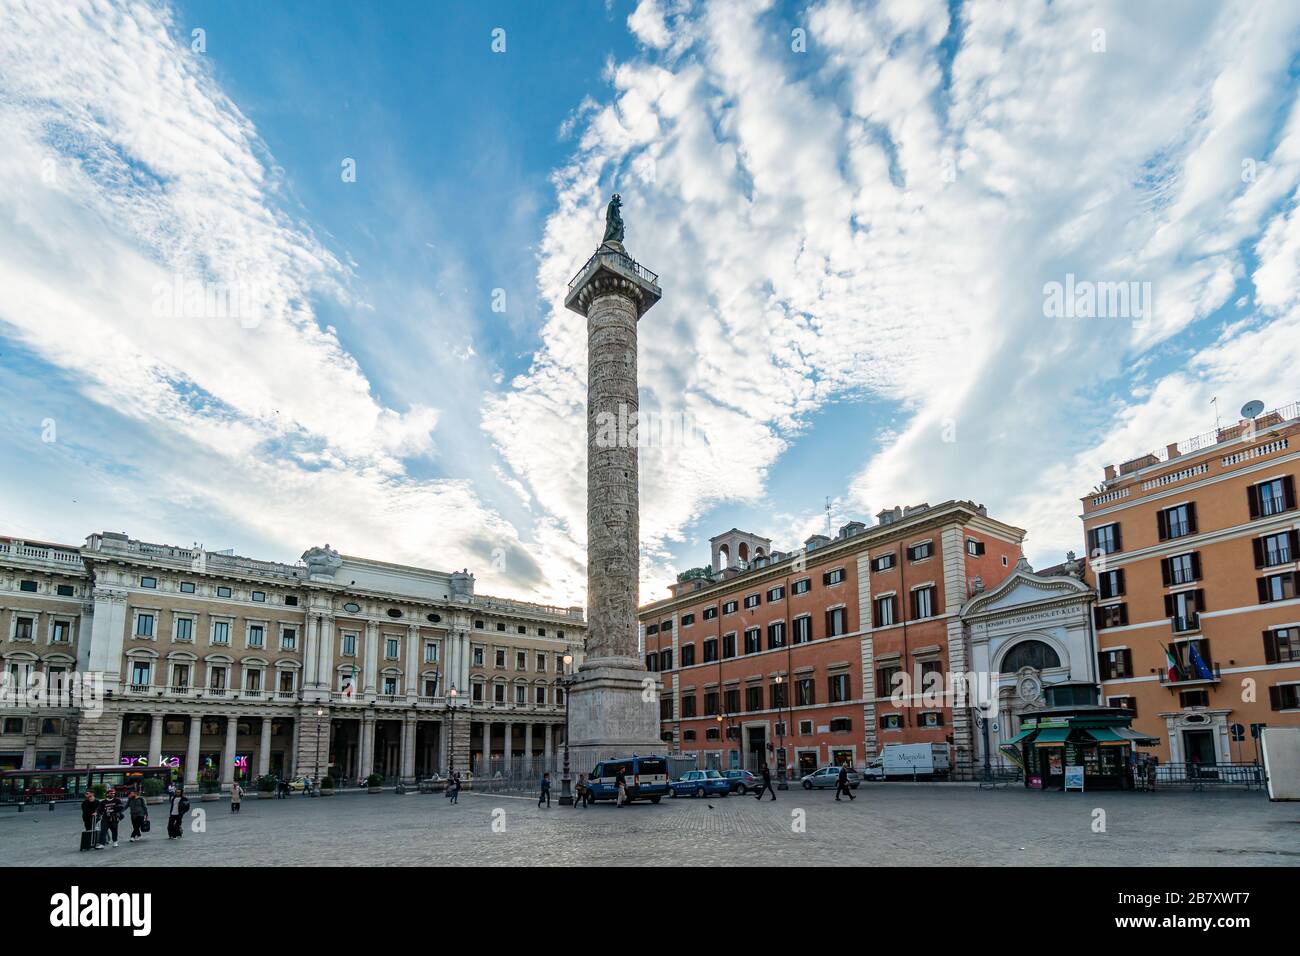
[[854, 208]]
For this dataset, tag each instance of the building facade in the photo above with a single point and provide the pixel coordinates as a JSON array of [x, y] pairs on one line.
[[794, 658], [229, 668], [1193, 555]]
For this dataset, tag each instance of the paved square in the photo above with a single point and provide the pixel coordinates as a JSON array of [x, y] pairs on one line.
[[904, 824]]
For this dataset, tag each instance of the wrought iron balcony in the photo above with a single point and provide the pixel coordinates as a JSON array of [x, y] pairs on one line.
[[1191, 677]]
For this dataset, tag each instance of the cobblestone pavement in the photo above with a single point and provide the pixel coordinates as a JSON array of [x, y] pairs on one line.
[[908, 824]]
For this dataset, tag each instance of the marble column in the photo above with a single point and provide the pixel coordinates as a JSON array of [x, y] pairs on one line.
[[508, 747], [192, 752], [608, 707], [155, 739], [412, 661], [528, 748], [228, 753], [372, 658], [487, 746], [367, 745], [408, 749], [264, 749], [546, 743]]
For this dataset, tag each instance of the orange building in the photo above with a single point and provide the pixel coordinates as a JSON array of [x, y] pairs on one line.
[[1193, 554], [790, 657]]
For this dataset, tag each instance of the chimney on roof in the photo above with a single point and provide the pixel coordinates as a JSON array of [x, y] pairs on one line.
[[1110, 472], [1171, 450]]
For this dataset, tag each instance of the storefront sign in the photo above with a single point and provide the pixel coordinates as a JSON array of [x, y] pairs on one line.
[[1074, 778]]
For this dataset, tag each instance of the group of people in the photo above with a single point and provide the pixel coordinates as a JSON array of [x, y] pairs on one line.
[[102, 818]]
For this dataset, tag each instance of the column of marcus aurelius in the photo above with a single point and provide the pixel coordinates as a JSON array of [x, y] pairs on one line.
[[613, 704]]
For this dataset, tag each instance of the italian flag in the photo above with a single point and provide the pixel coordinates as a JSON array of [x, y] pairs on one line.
[[1171, 665]]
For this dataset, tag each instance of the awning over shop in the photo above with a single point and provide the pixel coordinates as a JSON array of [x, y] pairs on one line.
[[1142, 740], [1106, 735], [1052, 736], [1020, 736]]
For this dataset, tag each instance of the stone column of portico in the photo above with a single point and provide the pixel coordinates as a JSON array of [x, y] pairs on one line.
[[546, 744], [528, 748], [264, 749], [487, 746], [608, 710], [367, 744], [408, 748], [228, 753], [155, 739], [192, 752]]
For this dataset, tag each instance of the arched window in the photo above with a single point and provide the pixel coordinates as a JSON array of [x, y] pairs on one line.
[[1033, 654]]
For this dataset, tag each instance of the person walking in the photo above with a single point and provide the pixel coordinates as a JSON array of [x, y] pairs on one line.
[[767, 784], [620, 781], [583, 790], [455, 787], [179, 806], [236, 793], [89, 807], [139, 812], [110, 812], [842, 784], [545, 792]]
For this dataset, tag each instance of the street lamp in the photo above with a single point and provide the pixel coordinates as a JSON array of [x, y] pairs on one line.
[[781, 782], [566, 796], [452, 693]]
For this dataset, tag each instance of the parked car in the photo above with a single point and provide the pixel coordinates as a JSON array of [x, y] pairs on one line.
[[701, 783], [297, 784], [828, 777], [742, 781]]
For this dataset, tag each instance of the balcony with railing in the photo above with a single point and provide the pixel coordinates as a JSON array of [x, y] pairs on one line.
[[1183, 623], [1187, 672], [37, 552], [138, 689]]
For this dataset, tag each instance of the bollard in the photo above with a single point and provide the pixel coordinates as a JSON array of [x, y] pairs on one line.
[[51, 806]]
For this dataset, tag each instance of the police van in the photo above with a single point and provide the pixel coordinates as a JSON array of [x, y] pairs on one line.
[[646, 778]]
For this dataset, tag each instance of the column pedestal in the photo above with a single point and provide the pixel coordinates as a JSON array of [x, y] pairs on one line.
[[608, 715]]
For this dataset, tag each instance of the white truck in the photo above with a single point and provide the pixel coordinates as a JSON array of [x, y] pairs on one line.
[[909, 761]]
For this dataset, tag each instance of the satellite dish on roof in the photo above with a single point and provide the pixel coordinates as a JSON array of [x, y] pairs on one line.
[[1252, 409]]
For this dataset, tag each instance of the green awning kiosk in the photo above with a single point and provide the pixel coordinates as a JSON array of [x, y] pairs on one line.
[[1074, 732]]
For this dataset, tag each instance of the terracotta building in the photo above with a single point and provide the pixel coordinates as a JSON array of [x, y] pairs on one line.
[[1193, 554], [792, 657]]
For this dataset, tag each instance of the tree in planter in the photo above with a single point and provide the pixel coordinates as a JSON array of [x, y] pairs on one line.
[[266, 783], [153, 787], [327, 782], [374, 780]]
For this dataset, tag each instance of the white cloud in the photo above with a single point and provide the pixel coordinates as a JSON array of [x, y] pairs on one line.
[[812, 245]]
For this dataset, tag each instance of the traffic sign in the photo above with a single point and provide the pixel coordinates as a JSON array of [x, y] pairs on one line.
[[1238, 732]]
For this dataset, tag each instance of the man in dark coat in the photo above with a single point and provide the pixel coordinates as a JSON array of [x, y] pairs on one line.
[[842, 785]]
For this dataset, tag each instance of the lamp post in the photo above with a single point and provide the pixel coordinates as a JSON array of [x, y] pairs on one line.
[[781, 782], [451, 731], [566, 796]]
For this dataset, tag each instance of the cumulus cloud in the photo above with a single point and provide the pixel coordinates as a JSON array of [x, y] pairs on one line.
[[878, 218]]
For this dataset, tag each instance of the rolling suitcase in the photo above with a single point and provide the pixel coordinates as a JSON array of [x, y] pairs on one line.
[[90, 839]]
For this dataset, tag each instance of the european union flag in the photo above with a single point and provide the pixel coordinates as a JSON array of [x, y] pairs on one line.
[[1202, 669]]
